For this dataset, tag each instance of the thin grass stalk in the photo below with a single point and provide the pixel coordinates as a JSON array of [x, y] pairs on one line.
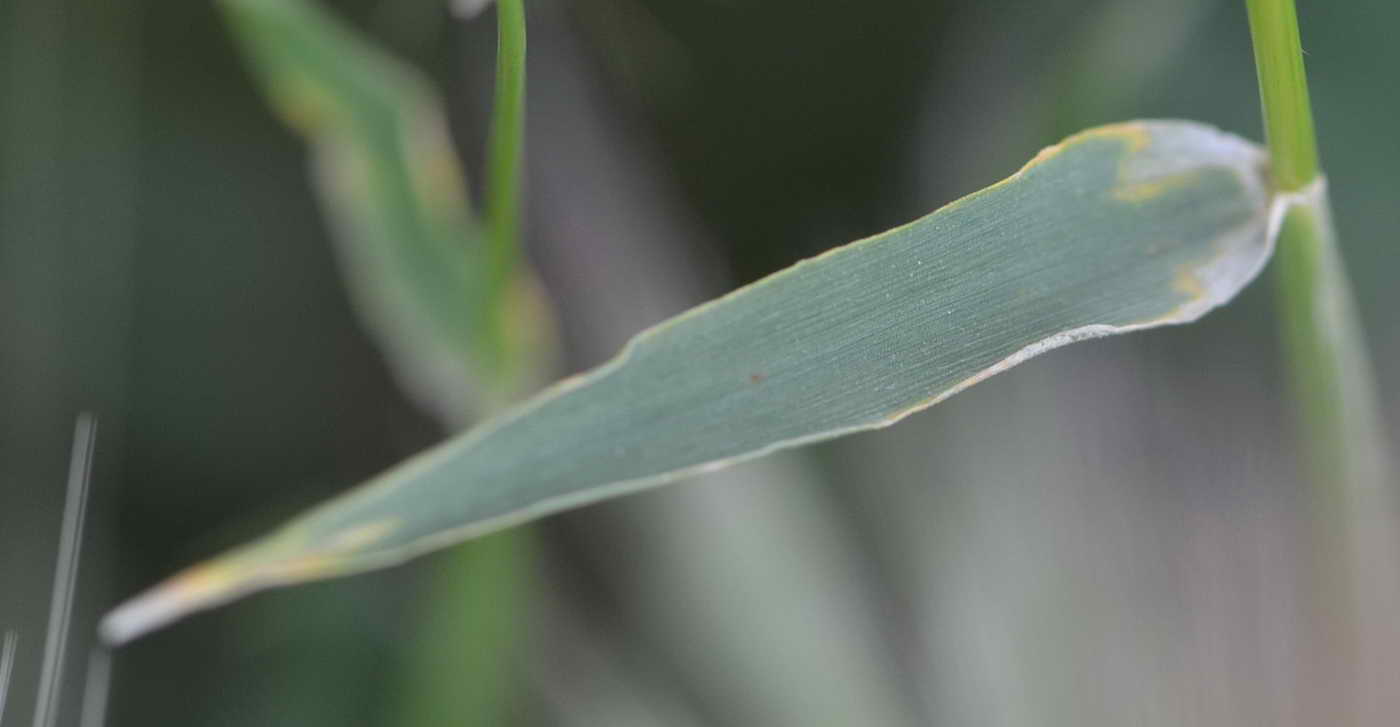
[[66, 571], [1343, 442], [472, 621], [1331, 373], [97, 688], [7, 668], [1331, 377], [1283, 93], [505, 145]]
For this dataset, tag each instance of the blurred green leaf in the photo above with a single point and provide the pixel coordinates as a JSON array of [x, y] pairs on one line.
[[415, 258], [1117, 229], [441, 293]]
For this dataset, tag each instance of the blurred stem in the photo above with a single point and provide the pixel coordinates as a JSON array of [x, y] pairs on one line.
[[505, 145], [1331, 375], [1355, 592], [342, 93], [1341, 428], [462, 670]]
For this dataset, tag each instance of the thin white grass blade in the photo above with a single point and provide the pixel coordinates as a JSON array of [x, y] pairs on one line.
[[96, 688], [66, 570], [7, 668]]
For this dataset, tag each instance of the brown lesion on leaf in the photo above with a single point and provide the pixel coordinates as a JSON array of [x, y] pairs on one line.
[[757, 378]]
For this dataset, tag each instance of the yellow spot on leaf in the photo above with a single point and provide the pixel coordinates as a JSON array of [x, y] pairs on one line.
[[309, 568], [1144, 191], [361, 536], [201, 582], [1135, 134], [1188, 283]]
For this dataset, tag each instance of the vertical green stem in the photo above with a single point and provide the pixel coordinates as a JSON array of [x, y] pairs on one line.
[[463, 667], [1283, 89], [1355, 591], [1332, 379], [1343, 441], [505, 145]]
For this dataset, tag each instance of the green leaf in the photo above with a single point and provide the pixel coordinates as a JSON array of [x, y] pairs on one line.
[[1116, 229], [464, 332], [441, 293]]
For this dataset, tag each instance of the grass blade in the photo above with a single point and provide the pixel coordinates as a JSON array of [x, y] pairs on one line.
[[96, 688], [445, 296], [7, 668], [416, 259], [461, 663], [66, 572], [1343, 433], [1116, 229], [506, 143]]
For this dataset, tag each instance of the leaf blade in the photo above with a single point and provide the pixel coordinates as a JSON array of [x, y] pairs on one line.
[[1116, 229]]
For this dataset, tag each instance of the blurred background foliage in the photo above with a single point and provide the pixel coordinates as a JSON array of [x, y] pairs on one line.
[[1114, 534]]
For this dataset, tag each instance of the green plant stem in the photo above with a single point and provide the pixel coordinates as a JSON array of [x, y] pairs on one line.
[[1331, 375], [1283, 91], [461, 666], [1340, 425], [462, 669], [1355, 590], [1332, 380], [505, 145]]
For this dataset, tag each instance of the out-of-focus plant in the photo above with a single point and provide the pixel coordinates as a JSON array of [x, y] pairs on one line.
[[444, 292], [1340, 424], [461, 321], [1116, 229]]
